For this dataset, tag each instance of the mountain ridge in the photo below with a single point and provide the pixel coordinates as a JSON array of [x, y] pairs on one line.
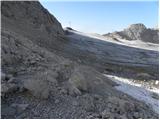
[[136, 32]]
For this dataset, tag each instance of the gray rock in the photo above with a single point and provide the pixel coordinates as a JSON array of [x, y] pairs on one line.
[[136, 115], [20, 107], [137, 32], [143, 76], [89, 80], [93, 116], [3, 76], [63, 91], [8, 111], [8, 88], [56, 101], [39, 87], [155, 96], [75, 103], [106, 114]]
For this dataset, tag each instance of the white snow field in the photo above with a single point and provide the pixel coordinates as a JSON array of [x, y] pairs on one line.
[[137, 91]]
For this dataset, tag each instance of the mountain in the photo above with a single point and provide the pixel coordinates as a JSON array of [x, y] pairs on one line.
[[137, 32], [48, 72]]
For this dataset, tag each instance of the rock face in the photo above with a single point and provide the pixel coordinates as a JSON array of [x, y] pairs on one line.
[[33, 25], [137, 32], [32, 20]]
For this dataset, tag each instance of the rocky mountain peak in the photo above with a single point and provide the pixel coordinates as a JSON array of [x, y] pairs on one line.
[[137, 32], [137, 26]]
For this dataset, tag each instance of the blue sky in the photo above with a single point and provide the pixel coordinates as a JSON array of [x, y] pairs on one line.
[[102, 17]]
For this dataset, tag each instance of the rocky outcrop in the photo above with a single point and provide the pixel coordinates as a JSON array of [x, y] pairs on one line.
[[82, 79], [32, 21], [137, 32]]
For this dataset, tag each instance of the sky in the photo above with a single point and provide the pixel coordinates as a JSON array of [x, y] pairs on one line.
[[103, 16]]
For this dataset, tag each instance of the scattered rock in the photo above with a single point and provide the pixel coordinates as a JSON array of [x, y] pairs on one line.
[[129, 106], [3, 76], [75, 103], [56, 101], [63, 91], [155, 96], [11, 80], [93, 116], [20, 107], [143, 76], [8, 88], [74, 91], [8, 111], [136, 115], [106, 114]]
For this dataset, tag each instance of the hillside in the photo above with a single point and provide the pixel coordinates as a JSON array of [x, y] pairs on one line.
[[48, 72]]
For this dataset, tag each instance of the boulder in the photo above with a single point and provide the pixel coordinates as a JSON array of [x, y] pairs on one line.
[[19, 107], [7, 88], [86, 79], [39, 85]]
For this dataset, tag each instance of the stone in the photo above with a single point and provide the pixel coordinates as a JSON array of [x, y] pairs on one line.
[[56, 101], [109, 105], [143, 76], [93, 116], [63, 91], [11, 80], [129, 106], [8, 88], [3, 76], [38, 87], [20, 107], [89, 80], [105, 114], [155, 96], [8, 111], [75, 103], [136, 115], [72, 90]]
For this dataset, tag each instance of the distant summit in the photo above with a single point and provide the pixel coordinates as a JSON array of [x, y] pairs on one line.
[[137, 32]]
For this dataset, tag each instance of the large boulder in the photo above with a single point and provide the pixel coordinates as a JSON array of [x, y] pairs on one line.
[[86, 79], [39, 85]]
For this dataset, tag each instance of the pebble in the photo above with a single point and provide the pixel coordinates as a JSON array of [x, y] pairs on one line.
[[105, 114], [155, 96], [3, 76], [109, 105], [75, 103], [56, 101], [136, 115]]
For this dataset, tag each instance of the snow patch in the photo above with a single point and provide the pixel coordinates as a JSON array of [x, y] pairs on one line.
[[137, 91]]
